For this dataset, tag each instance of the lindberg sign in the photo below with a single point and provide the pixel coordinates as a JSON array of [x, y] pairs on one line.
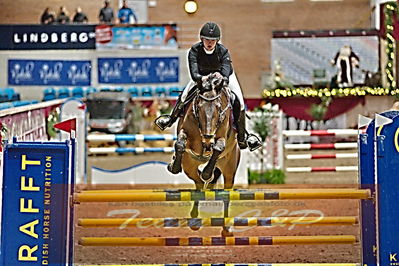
[[38, 37]]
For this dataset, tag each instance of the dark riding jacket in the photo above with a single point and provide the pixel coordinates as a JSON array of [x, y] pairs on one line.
[[202, 64]]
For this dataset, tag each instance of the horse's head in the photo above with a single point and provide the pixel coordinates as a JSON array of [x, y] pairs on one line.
[[210, 107]]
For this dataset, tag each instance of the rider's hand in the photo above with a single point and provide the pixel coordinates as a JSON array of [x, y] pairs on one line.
[[218, 76]]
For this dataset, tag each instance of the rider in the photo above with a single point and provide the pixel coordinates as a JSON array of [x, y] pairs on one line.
[[206, 57]]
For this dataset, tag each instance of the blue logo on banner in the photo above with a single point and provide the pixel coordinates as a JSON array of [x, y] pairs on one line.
[[49, 72], [138, 70]]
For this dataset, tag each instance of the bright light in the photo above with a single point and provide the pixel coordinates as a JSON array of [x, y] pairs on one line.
[[190, 6]]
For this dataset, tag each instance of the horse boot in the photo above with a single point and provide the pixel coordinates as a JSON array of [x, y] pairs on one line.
[[165, 121]]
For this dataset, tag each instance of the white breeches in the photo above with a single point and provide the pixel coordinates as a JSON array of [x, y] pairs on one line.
[[233, 85]]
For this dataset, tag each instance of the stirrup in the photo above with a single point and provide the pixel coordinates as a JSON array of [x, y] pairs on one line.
[[159, 123], [255, 143]]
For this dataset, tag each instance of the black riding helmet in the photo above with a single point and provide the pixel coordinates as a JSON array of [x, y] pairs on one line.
[[210, 31]]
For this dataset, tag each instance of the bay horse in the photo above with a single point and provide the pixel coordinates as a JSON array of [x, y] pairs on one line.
[[206, 145]]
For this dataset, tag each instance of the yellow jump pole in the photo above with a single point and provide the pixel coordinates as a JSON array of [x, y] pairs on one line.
[[206, 222], [224, 195], [216, 241]]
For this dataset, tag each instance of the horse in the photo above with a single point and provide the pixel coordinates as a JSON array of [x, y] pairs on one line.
[[206, 145]]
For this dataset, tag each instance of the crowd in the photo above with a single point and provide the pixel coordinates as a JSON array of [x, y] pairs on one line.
[[125, 15]]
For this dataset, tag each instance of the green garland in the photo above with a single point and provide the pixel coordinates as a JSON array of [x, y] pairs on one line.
[[336, 92], [390, 10]]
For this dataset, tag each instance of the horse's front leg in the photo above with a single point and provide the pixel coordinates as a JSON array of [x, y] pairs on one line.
[[217, 148], [228, 184], [226, 229], [194, 211], [180, 146]]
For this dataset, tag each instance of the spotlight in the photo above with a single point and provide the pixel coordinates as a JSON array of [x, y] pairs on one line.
[[190, 6]]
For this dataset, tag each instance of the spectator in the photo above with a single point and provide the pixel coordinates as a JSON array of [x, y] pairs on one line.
[[345, 60], [126, 14], [47, 17], [79, 16], [106, 13], [63, 17]]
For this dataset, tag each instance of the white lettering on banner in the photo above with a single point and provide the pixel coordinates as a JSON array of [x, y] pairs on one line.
[[76, 74], [164, 71], [74, 37], [64, 37], [34, 37], [83, 37], [111, 72], [19, 73], [43, 37], [54, 37], [139, 71], [47, 73]]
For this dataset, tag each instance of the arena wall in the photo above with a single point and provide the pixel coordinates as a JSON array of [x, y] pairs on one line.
[[247, 25]]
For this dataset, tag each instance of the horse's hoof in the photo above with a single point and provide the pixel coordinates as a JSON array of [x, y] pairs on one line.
[[194, 214], [226, 233], [195, 228]]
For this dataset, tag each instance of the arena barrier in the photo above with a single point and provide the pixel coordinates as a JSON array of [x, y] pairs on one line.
[[321, 146], [41, 166]]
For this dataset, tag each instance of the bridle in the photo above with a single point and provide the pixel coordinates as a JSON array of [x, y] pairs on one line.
[[222, 113]]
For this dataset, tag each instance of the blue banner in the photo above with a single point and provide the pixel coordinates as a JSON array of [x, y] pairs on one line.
[[34, 37], [136, 37], [35, 204], [138, 70], [49, 72]]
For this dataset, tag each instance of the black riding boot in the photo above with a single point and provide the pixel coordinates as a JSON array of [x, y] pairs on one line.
[[244, 139], [165, 121], [241, 132]]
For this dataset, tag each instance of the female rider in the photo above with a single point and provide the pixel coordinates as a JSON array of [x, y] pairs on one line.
[[204, 58]]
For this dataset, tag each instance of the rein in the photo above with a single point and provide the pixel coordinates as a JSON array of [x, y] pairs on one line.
[[222, 115]]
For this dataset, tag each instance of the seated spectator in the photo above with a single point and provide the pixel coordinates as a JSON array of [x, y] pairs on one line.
[[63, 17], [79, 16], [126, 14], [47, 17], [106, 13]]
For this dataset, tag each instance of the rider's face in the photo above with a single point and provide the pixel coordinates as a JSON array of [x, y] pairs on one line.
[[209, 44]]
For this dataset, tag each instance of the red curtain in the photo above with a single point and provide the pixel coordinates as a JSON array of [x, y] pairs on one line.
[[299, 107]]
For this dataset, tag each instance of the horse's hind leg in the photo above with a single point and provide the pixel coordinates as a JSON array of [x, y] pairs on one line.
[[180, 145]]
